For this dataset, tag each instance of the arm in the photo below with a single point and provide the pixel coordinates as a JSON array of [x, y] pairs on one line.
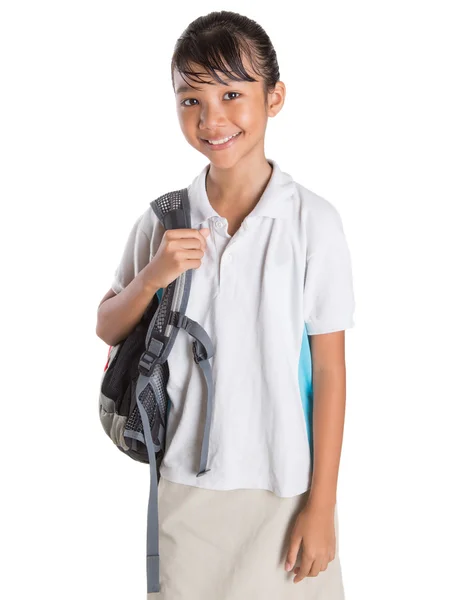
[[329, 383], [329, 305], [119, 313], [314, 526]]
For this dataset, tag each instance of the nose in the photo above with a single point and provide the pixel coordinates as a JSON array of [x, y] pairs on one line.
[[212, 117]]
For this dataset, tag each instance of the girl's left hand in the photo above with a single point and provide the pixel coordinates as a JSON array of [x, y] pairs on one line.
[[315, 528]]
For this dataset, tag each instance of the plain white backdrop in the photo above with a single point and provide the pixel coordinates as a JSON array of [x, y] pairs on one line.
[[376, 121]]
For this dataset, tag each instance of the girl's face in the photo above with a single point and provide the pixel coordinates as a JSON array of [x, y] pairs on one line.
[[215, 111]]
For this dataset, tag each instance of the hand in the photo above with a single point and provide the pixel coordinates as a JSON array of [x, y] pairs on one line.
[[314, 527], [179, 250]]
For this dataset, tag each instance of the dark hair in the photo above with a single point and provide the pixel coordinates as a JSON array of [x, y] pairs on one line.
[[218, 41]]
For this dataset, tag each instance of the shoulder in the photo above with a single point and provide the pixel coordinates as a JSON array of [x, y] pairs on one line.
[[147, 232], [147, 222], [321, 221], [317, 208]]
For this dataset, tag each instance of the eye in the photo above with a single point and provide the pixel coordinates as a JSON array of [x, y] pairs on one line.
[[183, 103]]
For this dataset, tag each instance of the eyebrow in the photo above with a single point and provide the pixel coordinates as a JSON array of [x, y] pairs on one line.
[[184, 88]]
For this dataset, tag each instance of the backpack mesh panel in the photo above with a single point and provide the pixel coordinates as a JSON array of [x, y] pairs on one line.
[[160, 378], [166, 299], [156, 409]]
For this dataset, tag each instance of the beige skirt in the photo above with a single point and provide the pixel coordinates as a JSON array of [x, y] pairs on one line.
[[232, 545]]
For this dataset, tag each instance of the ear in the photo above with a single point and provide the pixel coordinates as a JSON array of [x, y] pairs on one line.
[[276, 99]]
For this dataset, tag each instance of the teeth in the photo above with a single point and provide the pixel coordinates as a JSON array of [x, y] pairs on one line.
[[224, 140]]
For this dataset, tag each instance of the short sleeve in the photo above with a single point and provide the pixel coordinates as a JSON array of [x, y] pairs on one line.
[[140, 247], [329, 302]]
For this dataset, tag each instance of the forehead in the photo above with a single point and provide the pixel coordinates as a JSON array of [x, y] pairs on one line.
[[201, 79]]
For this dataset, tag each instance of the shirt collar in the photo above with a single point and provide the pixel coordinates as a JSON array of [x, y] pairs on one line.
[[273, 202]]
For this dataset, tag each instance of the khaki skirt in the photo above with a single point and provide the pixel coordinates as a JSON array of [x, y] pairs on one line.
[[232, 545]]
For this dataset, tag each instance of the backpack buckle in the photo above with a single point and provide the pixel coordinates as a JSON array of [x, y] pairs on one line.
[[147, 363], [150, 357]]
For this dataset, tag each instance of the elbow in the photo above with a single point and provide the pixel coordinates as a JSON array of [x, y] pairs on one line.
[[101, 331], [102, 335]]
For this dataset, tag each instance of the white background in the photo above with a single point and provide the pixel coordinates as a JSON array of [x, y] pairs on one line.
[[376, 121]]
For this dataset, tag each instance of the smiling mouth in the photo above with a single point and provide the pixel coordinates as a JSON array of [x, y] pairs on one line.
[[224, 139], [223, 143]]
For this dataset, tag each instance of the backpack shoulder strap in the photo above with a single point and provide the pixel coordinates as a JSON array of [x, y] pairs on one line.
[[173, 209]]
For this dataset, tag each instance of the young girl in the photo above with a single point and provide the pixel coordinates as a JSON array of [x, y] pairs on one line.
[[272, 286]]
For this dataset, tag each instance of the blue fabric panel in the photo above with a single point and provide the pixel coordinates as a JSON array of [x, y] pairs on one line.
[[305, 379]]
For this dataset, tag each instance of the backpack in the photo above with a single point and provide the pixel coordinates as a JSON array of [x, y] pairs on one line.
[[133, 399]]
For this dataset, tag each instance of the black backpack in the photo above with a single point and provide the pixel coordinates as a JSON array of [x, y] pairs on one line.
[[133, 400]]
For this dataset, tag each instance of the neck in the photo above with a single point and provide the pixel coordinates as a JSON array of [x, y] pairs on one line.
[[237, 188]]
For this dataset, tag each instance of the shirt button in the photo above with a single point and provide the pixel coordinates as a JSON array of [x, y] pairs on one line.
[[218, 224]]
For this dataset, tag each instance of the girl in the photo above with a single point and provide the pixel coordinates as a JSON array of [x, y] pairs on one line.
[[272, 286]]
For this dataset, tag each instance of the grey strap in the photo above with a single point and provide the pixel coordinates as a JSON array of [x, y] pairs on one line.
[[207, 371], [203, 347], [153, 555], [203, 351]]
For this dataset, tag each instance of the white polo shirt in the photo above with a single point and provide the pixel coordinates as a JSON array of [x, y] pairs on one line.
[[285, 274]]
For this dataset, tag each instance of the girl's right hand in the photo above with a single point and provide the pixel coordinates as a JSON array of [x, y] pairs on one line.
[[179, 251]]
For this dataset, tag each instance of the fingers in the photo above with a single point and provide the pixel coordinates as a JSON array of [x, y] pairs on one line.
[[304, 569], [189, 239], [310, 568], [292, 554]]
